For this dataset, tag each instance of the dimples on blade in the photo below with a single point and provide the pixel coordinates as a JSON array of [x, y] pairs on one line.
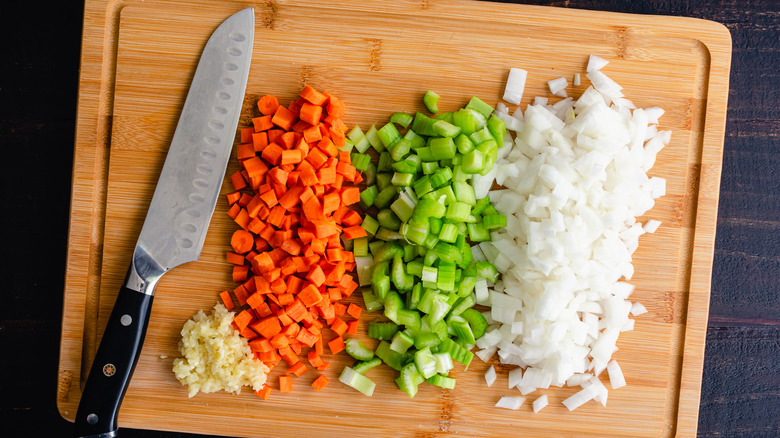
[[189, 184]]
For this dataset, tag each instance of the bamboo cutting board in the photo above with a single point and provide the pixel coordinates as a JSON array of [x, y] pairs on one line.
[[138, 57]]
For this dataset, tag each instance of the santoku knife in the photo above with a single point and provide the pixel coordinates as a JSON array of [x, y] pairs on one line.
[[178, 216]]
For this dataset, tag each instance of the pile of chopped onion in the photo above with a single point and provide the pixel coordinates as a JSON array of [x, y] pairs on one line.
[[575, 179]]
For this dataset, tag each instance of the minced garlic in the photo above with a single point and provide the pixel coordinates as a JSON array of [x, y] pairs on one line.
[[216, 356]]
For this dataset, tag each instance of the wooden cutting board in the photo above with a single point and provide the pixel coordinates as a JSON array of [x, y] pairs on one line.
[[137, 61]]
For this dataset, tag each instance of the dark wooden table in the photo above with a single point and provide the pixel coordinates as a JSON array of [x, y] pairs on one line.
[[39, 60]]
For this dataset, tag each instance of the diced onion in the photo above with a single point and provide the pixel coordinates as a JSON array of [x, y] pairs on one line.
[[490, 376], [510, 402], [540, 403], [574, 182]]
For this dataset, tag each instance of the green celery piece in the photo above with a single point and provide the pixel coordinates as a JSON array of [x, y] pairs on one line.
[[417, 141], [374, 246], [464, 193], [357, 381], [373, 138], [489, 209], [380, 280], [423, 125], [468, 120], [462, 304], [403, 207], [400, 149], [497, 127], [387, 252], [435, 225], [426, 154], [441, 381], [402, 119], [466, 285], [442, 176], [415, 231], [481, 136], [415, 268], [429, 168], [425, 362], [363, 366], [458, 211], [464, 144], [388, 135], [369, 176], [385, 162], [355, 134], [401, 342], [392, 358], [476, 320], [480, 106], [473, 162], [448, 233], [368, 196], [445, 129], [431, 241], [384, 331], [413, 297], [370, 300], [426, 339], [402, 281], [388, 235], [446, 279], [388, 219], [422, 186], [447, 117], [462, 330], [360, 247], [402, 179], [427, 208], [426, 301], [431, 99], [383, 180], [480, 206], [478, 233], [439, 306], [385, 197], [370, 225], [360, 161], [409, 380], [393, 304], [358, 350], [410, 253], [493, 221], [487, 270], [442, 148], [447, 253], [404, 166], [410, 319], [457, 352], [447, 192]]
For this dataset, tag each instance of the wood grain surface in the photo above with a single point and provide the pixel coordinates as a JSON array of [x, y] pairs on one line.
[[739, 397]]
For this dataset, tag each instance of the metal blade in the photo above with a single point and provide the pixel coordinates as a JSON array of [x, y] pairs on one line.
[[189, 184]]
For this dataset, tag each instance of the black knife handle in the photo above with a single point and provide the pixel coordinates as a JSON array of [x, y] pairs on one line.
[[113, 366]]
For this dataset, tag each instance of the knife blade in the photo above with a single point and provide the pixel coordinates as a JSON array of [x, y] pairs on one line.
[[178, 216]]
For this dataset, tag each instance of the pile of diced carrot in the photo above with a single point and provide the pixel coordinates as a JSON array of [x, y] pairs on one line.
[[292, 201]]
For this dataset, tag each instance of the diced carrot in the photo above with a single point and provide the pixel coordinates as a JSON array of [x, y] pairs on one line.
[[354, 310], [227, 300], [320, 382], [285, 383], [284, 118], [310, 295], [354, 232], [352, 327], [268, 105], [313, 96], [298, 369], [264, 392]]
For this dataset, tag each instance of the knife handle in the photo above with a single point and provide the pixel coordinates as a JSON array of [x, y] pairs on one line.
[[113, 365]]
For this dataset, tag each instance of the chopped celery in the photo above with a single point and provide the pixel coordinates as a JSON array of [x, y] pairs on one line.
[[384, 331], [385, 197], [493, 221], [402, 119], [368, 196], [356, 349], [357, 381], [423, 125], [373, 138], [425, 362], [445, 129], [388, 219], [480, 106], [442, 148], [363, 366], [431, 99], [441, 381], [402, 179], [409, 380], [371, 302], [388, 135], [401, 342], [392, 358], [476, 321], [370, 225]]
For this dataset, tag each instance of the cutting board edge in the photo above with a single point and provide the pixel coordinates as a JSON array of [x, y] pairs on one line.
[[93, 95]]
